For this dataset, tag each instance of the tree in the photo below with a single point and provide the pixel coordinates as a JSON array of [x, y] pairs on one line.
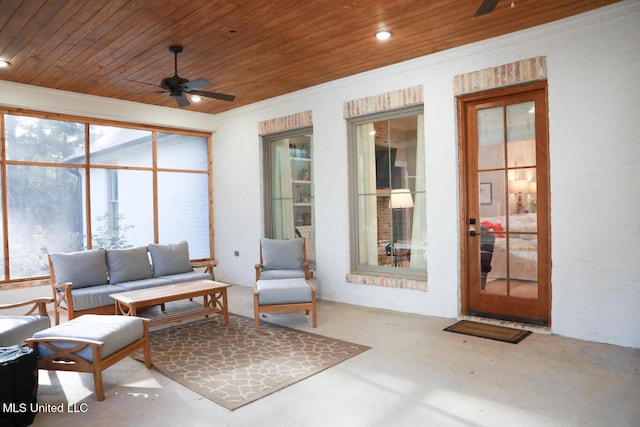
[[45, 203]]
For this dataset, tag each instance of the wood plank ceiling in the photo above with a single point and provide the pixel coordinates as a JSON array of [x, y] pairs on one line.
[[253, 49]]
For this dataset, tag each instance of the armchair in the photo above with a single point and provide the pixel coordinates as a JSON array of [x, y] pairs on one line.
[[283, 279], [15, 329], [283, 259]]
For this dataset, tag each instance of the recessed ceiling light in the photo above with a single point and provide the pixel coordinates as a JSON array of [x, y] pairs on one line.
[[383, 35], [3, 63], [195, 98]]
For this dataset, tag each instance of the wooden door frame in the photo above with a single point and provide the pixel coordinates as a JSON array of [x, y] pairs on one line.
[[543, 197]]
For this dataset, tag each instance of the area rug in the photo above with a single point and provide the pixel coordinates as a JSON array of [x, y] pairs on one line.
[[234, 365], [493, 332]]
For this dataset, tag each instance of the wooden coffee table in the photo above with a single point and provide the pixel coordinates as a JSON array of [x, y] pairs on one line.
[[214, 295]]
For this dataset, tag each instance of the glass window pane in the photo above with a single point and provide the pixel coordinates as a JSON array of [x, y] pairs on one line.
[[523, 189], [282, 155], [490, 138], [183, 211], [44, 216], [117, 146], [523, 266], [521, 134], [42, 140], [391, 197], [126, 221], [290, 197], [178, 151], [492, 194]]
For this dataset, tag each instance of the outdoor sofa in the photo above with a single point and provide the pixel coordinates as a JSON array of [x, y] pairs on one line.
[[82, 281]]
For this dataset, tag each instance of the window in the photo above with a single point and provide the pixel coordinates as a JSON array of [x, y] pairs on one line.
[[288, 168], [72, 185], [388, 200]]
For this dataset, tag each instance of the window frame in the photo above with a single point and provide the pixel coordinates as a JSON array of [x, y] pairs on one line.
[[85, 167], [266, 141], [356, 267]]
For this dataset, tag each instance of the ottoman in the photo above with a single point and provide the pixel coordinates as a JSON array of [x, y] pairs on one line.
[[91, 343], [284, 295]]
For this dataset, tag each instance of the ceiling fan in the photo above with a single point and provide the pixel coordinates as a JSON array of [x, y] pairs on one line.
[[485, 7], [177, 86]]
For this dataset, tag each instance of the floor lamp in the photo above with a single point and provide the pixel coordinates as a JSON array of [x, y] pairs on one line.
[[400, 199]]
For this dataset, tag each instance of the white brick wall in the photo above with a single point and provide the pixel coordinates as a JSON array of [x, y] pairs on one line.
[[595, 161]]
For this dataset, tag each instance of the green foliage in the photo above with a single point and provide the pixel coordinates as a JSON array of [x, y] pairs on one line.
[[110, 233]]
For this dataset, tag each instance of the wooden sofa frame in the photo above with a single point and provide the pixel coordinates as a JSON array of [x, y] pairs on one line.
[[38, 306]]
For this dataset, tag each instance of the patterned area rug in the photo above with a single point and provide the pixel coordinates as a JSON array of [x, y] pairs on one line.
[[235, 365]]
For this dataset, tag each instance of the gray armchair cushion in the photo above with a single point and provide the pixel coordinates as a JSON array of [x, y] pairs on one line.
[[170, 259], [286, 291], [282, 254], [85, 268], [281, 274], [94, 296], [125, 265]]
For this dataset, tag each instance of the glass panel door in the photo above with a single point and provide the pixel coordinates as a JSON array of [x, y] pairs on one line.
[[507, 243]]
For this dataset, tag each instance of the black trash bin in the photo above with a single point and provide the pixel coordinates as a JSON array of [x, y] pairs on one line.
[[18, 386]]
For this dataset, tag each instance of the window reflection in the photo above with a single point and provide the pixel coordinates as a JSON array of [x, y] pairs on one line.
[[390, 200], [508, 211], [289, 192]]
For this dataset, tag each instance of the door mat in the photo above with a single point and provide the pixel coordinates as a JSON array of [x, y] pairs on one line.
[[492, 332]]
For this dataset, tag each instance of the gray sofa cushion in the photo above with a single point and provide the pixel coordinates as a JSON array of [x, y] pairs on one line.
[[115, 331], [94, 296], [15, 329], [282, 254], [170, 259], [125, 265], [85, 268]]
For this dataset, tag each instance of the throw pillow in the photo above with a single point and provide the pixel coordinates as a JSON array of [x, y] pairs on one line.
[[170, 259], [125, 265], [282, 254], [84, 268]]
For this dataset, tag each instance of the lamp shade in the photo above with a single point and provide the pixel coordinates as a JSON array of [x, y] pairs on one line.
[[401, 198], [519, 185]]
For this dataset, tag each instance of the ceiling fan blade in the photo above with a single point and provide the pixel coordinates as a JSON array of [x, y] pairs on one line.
[[486, 7], [194, 84], [181, 100], [214, 95]]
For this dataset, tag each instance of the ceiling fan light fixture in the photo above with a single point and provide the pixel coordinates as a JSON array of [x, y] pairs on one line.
[[196, 98], [383, 35], [3, 63]]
